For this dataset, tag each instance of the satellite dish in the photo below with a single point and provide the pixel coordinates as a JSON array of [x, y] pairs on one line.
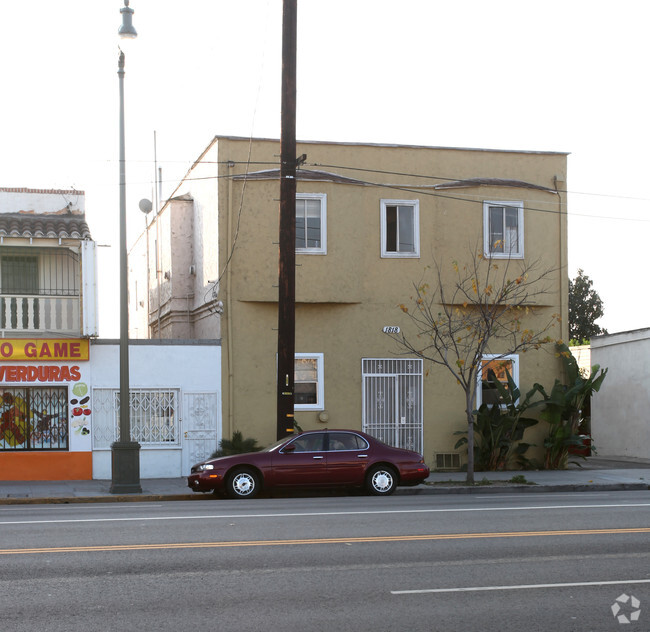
[[145, 206]]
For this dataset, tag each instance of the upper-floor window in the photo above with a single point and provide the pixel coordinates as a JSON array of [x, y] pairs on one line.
[[311, 223], [495, 368], [39, 271], [19, 273], [400, 228], [503, 229], [40, 290]]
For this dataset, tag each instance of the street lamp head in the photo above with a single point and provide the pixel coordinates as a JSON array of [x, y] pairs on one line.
[[127, 31]]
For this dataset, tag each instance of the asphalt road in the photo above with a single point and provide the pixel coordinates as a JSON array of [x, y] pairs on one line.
[[431, 563]]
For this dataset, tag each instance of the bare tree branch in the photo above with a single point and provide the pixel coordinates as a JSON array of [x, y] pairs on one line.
[[483, 307]]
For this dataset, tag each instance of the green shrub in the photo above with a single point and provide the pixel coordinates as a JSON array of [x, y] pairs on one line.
[[520, 479], [236, 445]]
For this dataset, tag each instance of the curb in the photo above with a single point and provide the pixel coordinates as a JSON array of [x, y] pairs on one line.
[[420, 490], [70, 500], [534, 488]]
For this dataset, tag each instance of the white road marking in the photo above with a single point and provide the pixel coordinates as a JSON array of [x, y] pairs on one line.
[[309, 514], [518, 587]]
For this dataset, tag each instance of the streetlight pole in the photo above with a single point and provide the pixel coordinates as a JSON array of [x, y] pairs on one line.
[[124, 452]]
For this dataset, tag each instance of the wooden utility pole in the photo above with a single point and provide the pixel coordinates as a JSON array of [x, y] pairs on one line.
[[287, 265]]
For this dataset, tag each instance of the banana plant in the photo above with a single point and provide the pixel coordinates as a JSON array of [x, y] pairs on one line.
[[563, 408], [499, 428]]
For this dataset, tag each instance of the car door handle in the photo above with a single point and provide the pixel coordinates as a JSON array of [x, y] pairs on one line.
[[362, 456], [318, 457]]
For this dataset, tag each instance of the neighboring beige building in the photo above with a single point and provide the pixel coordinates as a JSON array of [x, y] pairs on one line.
[[370, 219], [582, 354]]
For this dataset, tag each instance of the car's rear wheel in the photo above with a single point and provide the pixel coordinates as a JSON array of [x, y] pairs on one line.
[[243, 483], [381, 480]]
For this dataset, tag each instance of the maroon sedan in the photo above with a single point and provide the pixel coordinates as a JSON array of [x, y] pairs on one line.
[[317, 458]]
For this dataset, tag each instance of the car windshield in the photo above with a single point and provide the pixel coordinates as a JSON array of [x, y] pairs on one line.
[[276, 445]]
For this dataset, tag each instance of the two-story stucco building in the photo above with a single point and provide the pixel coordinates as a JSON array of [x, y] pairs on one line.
[[47, 315], [59, 395], [369, 220]]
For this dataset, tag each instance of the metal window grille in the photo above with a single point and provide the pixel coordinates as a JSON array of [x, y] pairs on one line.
[[39, 272], [34, 419], [154, 417], [39, 289], [392, 401]]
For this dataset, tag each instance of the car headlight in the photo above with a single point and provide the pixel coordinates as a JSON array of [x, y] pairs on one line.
[[205, 466]]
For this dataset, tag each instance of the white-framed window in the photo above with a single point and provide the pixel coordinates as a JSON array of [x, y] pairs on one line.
[[309, 381], [503, 230], [400, 228], [494, 366], [311, 223]]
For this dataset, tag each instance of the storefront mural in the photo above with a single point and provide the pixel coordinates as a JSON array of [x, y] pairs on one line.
[[34, 418], [44, 406], [80, 409]]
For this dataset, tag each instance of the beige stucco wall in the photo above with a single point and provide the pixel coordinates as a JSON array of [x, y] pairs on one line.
[[344, 298]]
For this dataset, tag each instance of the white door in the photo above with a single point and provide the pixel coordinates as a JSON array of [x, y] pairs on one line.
[[202, 427], [392, 401]]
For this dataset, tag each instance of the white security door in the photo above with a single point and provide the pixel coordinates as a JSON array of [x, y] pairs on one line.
[[202, 428], [392, 401]]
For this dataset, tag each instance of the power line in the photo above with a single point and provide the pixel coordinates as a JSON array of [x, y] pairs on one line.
[[452, 179], [418, 190], [379, 171]]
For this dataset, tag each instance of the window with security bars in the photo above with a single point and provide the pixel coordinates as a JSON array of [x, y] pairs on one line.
[[19, 274], [154, 417], [33, 418], [39, 289], [39, 272]]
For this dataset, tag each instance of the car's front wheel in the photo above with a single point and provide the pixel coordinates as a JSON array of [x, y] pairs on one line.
[[381, 480], [243, 483]]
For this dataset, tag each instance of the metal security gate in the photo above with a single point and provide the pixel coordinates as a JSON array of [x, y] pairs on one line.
[[33, 418], [202, 428], [392, 401]]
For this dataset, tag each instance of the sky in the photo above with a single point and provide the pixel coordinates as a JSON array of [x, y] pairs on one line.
[[558, 75]]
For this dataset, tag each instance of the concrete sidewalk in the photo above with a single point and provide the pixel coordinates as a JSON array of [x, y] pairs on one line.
[[596, 474]]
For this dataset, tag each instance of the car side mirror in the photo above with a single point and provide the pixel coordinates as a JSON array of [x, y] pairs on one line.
[[289, 448]]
